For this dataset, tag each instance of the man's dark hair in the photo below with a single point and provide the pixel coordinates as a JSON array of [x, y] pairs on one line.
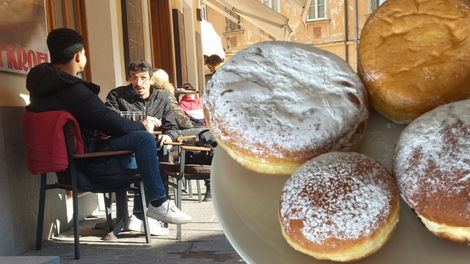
[[214, 60], [63, 44], [139, 65]]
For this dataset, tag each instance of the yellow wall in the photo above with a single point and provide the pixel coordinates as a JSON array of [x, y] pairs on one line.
[[332, 36]]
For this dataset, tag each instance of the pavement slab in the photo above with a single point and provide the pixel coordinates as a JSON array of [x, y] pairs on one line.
[[203, 242]]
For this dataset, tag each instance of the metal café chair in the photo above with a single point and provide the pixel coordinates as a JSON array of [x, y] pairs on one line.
[[181, 171], [66, 147]]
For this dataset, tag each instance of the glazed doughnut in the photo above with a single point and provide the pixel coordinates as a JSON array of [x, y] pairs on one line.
[[339, 206], [415, 56], [431, 164], [275, 105]]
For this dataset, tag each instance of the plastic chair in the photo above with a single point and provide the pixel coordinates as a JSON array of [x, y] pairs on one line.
[[67, 147]]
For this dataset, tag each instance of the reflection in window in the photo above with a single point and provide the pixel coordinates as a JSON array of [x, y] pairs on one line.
[[317, 10]]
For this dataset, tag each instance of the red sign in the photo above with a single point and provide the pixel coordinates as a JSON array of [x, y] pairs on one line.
[[18, 58], [317, 32], [233, 41]]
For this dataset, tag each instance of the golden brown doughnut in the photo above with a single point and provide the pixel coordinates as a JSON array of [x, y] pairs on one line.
[[340, 206], [275, 105], [415, 55], [431, 164]]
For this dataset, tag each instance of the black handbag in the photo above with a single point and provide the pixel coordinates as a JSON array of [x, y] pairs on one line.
[[98, 173]]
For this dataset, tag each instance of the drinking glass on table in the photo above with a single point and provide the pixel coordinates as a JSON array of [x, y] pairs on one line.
[[126, 114], [152, 122], [137, 115]]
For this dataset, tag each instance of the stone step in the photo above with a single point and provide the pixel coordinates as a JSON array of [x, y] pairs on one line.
[[30, 260]]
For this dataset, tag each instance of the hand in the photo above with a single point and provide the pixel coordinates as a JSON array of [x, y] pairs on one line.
[[164, 138], [151, 119]]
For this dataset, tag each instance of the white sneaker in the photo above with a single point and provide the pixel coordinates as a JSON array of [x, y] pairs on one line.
[[156, 229], [169, 213]]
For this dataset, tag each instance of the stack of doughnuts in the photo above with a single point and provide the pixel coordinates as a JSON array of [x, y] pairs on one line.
[[340, 206], [431, 164], [285, 108], [415, 56], [275, 105]]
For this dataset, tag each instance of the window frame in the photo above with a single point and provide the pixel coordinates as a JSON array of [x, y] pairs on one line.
[[314, 5], [229, 23], [204, 11], [376, 3], [270, 4]]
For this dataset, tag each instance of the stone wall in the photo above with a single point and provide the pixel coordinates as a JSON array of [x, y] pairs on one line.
[[19, 193]]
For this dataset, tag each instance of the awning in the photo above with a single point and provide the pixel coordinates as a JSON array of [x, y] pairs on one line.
[[211, 41], [302, 5], [263, 17]]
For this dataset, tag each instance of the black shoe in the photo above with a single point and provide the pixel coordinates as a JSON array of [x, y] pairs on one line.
[[207, 196]]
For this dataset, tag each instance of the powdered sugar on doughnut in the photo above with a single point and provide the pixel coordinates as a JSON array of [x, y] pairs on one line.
[[343, 195], [431, 161], [285, 95]]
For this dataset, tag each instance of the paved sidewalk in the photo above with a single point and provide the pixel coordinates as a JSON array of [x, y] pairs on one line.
[[203, 241]]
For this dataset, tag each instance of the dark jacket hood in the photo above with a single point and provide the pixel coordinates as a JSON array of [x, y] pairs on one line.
[[45, 79]]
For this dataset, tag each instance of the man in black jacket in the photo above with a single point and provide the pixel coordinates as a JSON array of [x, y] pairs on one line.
[[140, 96], [55, 86]]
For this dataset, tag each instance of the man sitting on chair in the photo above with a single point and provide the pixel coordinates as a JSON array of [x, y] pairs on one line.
[[55, 86], [140, 96]]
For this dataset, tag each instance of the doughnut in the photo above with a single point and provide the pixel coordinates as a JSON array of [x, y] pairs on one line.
[[431, 164], [276, 104], [340, 206], [415, 56]]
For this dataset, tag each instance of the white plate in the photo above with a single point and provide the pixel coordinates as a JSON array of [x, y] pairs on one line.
[[246, 204]]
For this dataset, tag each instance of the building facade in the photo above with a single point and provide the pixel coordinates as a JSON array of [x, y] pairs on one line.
[[166, 33], [333, 25]]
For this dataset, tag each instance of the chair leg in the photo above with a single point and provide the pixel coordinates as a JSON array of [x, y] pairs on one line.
[[190, 188], [167, 188], [122, 213], [75, 218], [198, 184], [178, 204], [148, 239], [42, 200], [175, 191], [107, 205]]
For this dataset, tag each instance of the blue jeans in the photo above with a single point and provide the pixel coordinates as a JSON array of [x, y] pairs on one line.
[[145, 150]]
